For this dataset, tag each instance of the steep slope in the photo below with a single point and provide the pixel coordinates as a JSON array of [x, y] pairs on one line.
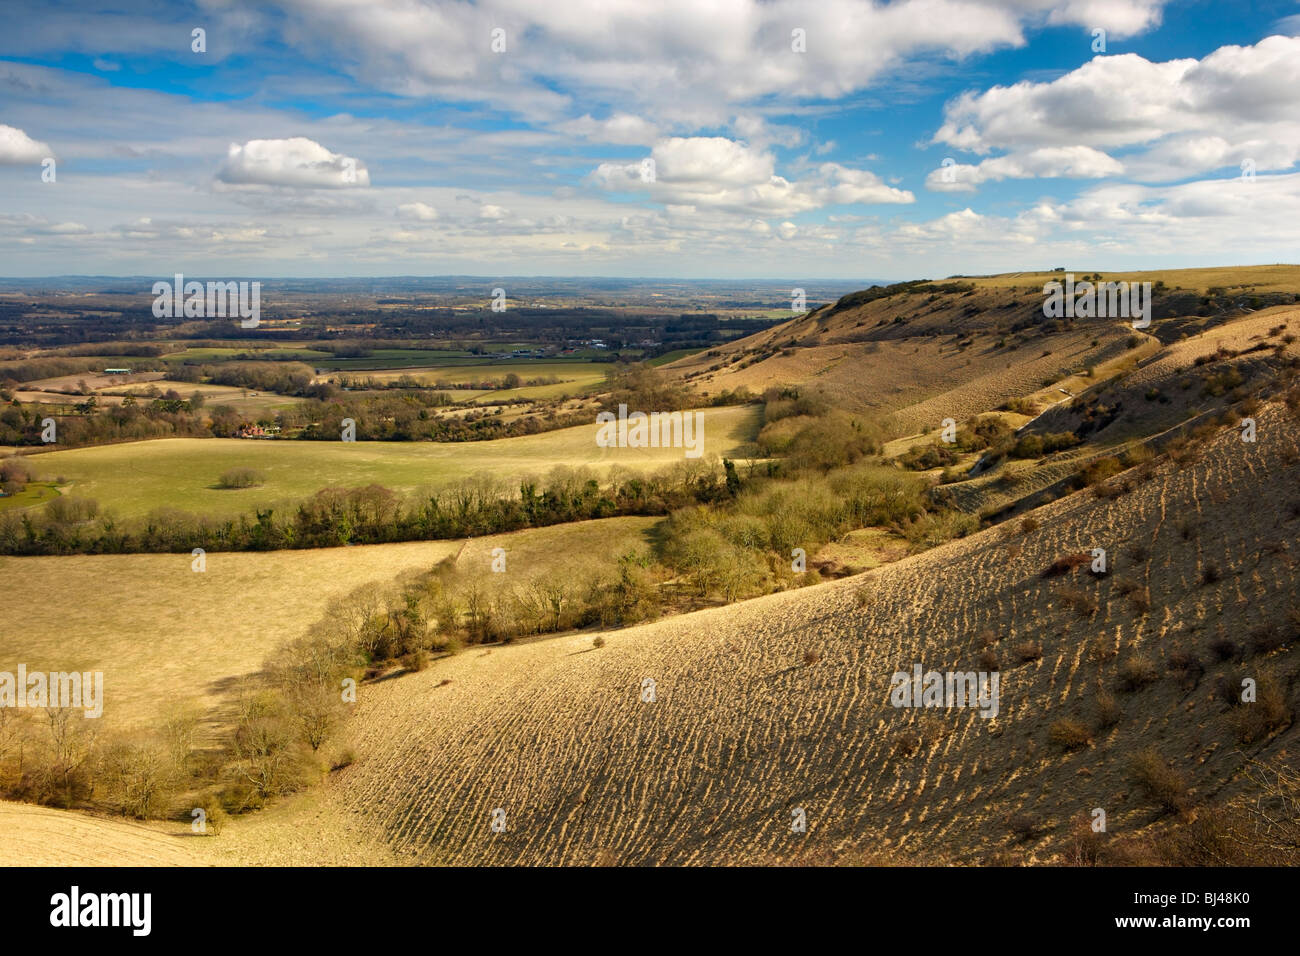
[[745, 727]]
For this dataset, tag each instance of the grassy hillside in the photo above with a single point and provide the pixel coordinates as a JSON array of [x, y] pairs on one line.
[[1116, 693], [207, 629], [135, 478]]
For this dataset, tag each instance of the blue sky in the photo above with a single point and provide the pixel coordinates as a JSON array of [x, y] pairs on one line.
[[736, 139]]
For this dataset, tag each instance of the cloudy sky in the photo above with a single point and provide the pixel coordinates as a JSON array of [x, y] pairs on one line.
[[692, 138]]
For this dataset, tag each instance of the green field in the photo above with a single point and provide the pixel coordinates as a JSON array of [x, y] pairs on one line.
[[35, 493], [264, 354], [134, 478], [576, 377], [672, 356], [249, 402]]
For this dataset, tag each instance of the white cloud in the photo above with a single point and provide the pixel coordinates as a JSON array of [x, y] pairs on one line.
[[674, 60], [418, 211], [1047, 162], [17, 148], [297, 162], [1193, 116], [621, 129], [1119, 18], [717, 173]]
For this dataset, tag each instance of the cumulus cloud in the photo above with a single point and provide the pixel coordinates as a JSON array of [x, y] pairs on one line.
[[297, 162], [719, 173], [1048, 162], [1183, 116], [17, 148], [417, 211], [622, 129], [674, 59]]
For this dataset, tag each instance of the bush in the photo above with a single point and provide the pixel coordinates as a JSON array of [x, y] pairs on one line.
[[1024, 826], [241, 478], [1099, 471], [598, 642], [1160, 782], [1070, 734], [1066, 563], [1224, 649], [1137, 672], [1028, 525], [1267, 713], [1100, 650], [1267, 638], [213, 817], [69, 509], [1027, 651], [1109, 711], [1078, 600]]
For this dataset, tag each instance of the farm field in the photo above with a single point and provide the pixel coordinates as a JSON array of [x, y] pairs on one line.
[[136, 477], [576, 377], [219, 354], [248, 402], [206, 630]]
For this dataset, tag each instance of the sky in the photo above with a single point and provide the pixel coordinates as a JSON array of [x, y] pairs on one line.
[[837, 139]]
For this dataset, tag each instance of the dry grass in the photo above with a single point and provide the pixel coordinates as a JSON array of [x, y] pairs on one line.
[[207, 629]]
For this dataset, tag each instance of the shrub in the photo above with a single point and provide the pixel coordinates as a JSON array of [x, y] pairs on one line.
[[240, 478], [416, 659], [1109, 711], [1028, 525], [1069, 734], [1160, 782], [1084, 844], [1027, 651], [1024, 826], [1267, 638], [1100, 650], [1066, 563], [1210, 573], [1100, 470], [214, 815], [1137, 672], [1224, 648], [1186, 663], [1268, 712], [69, 509], [598, 642], [988, 660], [1079, 601]]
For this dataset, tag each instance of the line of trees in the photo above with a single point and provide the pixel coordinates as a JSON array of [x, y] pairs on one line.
[[369, 515]]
